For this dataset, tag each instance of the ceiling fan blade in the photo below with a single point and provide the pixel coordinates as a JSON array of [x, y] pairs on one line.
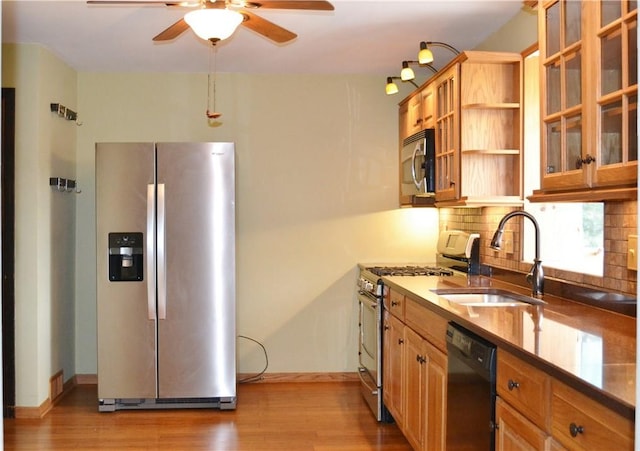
[[173, 31], [267, 29], [142, 2], [315, 5]]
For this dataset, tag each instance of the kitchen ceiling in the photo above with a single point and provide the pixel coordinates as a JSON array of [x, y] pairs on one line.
[[358, 37]]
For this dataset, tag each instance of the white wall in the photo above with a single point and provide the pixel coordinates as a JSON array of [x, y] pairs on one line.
[[317, 192], [45, 228]]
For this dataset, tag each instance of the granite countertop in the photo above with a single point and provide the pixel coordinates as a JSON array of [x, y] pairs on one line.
[[591, 349]]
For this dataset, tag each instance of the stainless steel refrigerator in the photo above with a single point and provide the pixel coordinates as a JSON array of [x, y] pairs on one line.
[[165, 216]]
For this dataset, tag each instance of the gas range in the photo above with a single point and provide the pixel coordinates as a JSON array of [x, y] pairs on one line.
[[457, 254], [409, 271]]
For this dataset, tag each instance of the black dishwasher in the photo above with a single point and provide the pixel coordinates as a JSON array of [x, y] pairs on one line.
[[471, 391]]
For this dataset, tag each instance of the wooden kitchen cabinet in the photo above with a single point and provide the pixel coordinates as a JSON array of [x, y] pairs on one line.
[[394, 302], [515, 432], [580, 423], [526, 388], [415, 383], [416, 112], [410, 116], [427, 108], [478, 122], [415, 389], [589, 86], [425, 393], [393, 366], [522, 406]]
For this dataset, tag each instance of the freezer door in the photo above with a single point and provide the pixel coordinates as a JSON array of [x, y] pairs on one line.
[[196, 270], [126, 334]]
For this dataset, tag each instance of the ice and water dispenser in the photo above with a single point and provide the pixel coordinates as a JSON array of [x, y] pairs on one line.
[[125, 257]]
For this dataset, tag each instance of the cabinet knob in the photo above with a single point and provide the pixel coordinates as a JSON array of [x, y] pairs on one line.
[[513, 384], [394, 303], [386, 327], [400, 341], [574, 430]]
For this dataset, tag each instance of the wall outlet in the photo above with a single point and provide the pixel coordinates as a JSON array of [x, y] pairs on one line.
[[632, 252], [507, 241]]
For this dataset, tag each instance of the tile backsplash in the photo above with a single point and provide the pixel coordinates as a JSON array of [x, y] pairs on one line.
[[620, 221]]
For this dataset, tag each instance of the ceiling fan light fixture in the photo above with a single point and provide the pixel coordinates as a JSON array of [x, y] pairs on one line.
[[213, 24], [425, 56], [391, 87], [406, 73]]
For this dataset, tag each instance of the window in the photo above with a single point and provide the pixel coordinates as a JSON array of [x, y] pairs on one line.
[[571, 236]]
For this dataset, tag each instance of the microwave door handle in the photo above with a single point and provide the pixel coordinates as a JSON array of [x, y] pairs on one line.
[[413, 168]]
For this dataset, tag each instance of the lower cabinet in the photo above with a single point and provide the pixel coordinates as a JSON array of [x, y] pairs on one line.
[[514, 431], [392, 366], [580, 423], [534, 411], [415, 384]]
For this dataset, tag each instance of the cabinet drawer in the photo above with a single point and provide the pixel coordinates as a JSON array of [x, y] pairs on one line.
[[524, 387], [394, 303], [516, 432], [430, 325], [581, 423]]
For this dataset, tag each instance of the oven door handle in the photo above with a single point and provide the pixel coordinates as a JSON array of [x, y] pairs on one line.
[[365, 382], [369, 302]]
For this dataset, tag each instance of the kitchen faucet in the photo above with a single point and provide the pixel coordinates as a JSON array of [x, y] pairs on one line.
[[536, 275]]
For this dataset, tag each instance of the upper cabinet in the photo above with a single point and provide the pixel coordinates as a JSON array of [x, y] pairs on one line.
[[478, 122], [588, 52], [474, 104]]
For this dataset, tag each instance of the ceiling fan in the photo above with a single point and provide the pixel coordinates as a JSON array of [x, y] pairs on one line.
[[239, 10]]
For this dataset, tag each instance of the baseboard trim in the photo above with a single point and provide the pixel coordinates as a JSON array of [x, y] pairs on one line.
[[92, 379], [47, 405], [86, 379], [300, 377]]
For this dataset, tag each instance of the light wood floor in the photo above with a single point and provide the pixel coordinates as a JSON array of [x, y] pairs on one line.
[[269, 416]]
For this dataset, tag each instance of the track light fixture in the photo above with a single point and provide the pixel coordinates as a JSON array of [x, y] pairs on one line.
[[392, 88], [425, 56], [407, 73]]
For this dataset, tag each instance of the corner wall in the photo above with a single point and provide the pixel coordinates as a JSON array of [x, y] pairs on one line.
[[45, 147]]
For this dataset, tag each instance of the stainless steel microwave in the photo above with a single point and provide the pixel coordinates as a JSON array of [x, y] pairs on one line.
[[417, 167]]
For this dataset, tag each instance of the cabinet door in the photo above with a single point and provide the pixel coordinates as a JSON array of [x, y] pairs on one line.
[[415, 114], [615, 48], [415, 388], [564, 146], [403, 123], [392, 366], [515, 432], [447, 135], [427, 106], [435, 436], [581, 423]]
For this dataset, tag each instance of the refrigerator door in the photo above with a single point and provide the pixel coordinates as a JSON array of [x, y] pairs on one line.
[[196, 270], [126, 334]]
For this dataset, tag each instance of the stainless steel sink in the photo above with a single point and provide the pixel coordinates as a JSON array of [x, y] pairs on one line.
[[486, 297]]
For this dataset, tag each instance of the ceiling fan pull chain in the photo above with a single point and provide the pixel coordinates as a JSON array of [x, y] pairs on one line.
[[211, 112]]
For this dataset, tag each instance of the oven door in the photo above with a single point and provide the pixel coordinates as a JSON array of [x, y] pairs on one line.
[[369, 343], [369, 350]]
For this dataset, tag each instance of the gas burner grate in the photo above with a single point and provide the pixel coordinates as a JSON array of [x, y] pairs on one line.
[[410, 271]]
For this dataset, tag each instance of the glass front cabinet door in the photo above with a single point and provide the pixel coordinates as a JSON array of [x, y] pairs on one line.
[[589, 94]]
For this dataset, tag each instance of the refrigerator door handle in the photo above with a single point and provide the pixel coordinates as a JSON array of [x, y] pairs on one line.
[[151, 271], [162, 261]]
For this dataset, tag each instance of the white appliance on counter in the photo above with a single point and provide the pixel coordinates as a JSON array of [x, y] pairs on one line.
[[165, 215], [457, 252]]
